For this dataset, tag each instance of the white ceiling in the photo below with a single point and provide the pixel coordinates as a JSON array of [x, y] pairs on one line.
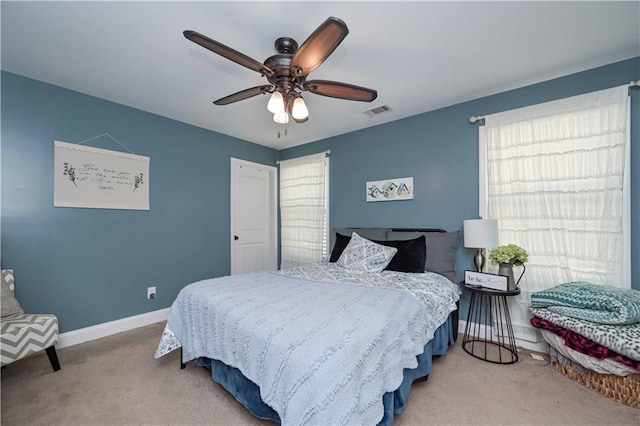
[[419, 56]]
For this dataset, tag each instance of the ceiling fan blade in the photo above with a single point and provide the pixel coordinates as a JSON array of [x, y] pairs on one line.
[[317, 48], [244, 94], [334, 89], [227, 52]]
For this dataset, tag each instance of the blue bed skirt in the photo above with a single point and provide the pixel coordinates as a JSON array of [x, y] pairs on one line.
[[248, 393]]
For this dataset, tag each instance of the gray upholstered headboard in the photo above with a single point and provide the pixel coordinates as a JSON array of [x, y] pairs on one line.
[[441, 245]]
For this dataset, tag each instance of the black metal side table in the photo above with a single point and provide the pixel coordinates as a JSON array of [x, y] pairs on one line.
[[488, 308]]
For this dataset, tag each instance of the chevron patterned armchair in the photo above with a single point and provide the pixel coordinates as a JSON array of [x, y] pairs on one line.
[[24, 334]]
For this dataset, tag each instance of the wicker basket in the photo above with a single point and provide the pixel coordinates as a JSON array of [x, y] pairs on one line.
[[625, 390]]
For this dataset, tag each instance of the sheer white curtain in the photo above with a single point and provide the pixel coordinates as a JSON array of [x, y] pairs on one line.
[[304, 209], [557, 178]]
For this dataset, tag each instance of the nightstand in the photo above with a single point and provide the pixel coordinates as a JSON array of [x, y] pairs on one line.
[[488, 334]]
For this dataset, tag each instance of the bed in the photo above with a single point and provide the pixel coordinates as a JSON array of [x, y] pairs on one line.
[[337, 342]]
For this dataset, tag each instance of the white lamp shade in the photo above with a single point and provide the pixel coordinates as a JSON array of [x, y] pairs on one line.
[[276, 103], [282, 118], [299, 110], [481, 233]]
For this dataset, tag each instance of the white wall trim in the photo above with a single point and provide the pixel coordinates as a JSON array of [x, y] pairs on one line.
[[98, 331], [532, 346]]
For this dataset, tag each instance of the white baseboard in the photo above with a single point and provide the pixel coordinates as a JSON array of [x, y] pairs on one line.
[[112, 327], [532, 346]]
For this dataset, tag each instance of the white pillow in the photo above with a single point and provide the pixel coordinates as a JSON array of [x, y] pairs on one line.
[[9, 304], [364, 255]]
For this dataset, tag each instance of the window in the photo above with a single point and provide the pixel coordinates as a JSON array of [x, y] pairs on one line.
[[556, 176], [304, 210]]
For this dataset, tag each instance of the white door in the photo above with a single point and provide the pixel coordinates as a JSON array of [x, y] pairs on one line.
[[253, 217]]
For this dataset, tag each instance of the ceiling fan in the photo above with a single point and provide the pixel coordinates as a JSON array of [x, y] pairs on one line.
[[287, 71]]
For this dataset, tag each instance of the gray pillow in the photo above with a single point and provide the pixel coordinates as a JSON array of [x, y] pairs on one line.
[[441, 250], [9, 303]]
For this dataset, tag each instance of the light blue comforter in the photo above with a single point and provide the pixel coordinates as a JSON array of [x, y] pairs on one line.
[[322, 352]]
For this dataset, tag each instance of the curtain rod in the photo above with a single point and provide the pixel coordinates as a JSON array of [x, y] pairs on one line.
[[475, 118], [327, 153]]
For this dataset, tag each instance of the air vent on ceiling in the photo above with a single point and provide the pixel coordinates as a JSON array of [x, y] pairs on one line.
[[377, 110]]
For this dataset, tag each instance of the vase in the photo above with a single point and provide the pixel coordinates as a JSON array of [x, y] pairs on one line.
[[506, 270]]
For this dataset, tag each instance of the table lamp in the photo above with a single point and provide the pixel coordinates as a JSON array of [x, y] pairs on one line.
[[480, 234]]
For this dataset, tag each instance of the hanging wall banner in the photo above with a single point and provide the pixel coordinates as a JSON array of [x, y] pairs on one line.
[[98, 178]]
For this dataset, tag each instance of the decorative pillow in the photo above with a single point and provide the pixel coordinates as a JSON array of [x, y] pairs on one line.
[[339, 246], [9, 303], [372, 234], [364, 255], [411, 255], [441, 250]]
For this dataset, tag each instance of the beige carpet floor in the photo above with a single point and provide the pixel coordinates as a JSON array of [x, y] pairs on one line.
[[116, 381]]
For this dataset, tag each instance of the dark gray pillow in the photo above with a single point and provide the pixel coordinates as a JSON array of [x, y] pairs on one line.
[[9, 305], [441, 250]]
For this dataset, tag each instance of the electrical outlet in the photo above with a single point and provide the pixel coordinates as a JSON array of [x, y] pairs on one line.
[[151, 292]]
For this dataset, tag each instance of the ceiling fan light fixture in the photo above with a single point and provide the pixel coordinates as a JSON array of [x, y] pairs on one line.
[[276, 103], [299, 110], [281, 118]]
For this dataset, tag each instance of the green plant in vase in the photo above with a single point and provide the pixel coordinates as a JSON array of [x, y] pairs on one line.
[[507, 256], [510, 253]]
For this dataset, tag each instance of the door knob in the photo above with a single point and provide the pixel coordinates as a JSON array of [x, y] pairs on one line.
[[235, 237]]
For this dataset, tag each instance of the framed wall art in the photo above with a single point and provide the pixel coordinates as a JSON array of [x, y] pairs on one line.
[[390, 189]]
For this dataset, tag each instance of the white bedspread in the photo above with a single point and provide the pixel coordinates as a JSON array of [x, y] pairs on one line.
[[322, 352]]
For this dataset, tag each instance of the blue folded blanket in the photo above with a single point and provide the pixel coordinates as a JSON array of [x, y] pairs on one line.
[[591, 302]]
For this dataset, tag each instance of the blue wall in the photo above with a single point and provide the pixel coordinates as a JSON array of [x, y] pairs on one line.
[[440, 150], [90, 266]]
